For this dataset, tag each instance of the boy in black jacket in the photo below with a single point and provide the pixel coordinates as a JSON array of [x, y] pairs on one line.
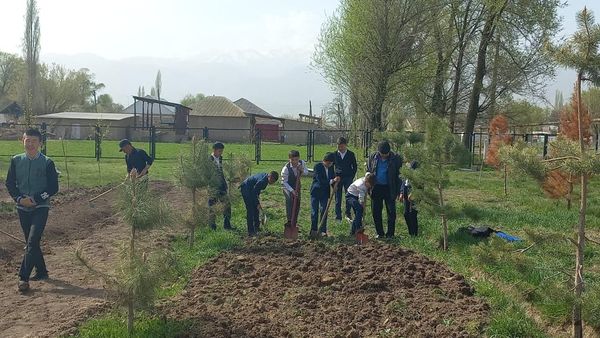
[[31, 181], [345, 167], [251, 188], [324, 177], [220, 194]]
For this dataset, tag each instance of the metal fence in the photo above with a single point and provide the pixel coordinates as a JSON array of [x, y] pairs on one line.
[[164, 144]]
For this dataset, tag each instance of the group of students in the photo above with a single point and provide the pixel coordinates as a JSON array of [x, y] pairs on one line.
[[337, 170], [32, 180]]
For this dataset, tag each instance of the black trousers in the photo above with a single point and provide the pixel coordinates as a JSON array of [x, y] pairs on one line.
[[379, 196], [410, 216], [252, 217], [344, 184], [33, 224], [220, 196]]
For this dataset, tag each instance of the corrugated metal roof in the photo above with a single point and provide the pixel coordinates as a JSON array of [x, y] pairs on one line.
[[165, 110], [251, 108], [217, 106], [87, 116]]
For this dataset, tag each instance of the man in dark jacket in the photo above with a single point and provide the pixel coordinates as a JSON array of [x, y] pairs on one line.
[[220, 194], [345, 167], [323, 177], [251, 188], [385, 165], [31, 181], [136, 159]]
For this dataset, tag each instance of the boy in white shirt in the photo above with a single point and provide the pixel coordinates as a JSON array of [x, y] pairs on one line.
[[355, 197], [290, 175]]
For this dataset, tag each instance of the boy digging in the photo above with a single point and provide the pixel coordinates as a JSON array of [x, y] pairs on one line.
[[251, 189], [356, 196], [324, 177]]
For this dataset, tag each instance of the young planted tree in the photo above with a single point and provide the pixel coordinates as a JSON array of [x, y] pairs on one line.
[[431, 179], [197, 173], [581, 53], [138, 275], [500, 136], [559, 184]]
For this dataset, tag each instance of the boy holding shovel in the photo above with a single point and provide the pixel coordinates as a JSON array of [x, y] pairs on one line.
[[290, 179], [320, 196], [251, 189], [356, 196]]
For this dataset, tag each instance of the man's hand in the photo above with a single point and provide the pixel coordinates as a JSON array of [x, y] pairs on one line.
[[27, 202], [336, 179], [400, 197], [294, 193]]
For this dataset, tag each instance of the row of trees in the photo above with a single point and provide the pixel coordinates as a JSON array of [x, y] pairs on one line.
[[46, 88], [436, 57]]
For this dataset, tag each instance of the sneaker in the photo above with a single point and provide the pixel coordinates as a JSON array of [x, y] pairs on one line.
[[349, 219], [324, 234], [39, 277], [23, 286]]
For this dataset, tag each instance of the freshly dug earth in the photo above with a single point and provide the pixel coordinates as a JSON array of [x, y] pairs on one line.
[[273, 288]]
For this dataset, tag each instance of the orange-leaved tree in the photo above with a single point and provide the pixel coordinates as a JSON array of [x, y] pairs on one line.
[[499, 136], [558, 183]]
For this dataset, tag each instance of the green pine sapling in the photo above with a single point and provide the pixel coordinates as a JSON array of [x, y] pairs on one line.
[[431, 179]]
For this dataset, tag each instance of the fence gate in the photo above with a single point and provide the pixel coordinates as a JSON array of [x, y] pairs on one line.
[[257, 145]]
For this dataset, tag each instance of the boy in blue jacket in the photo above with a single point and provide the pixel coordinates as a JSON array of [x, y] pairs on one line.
[[324, 177], [251, 188], [31, 181]]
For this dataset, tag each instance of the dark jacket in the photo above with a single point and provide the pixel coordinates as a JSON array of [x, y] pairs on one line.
[[254, 184], [222, 185], [35, 178], [321, 177], [138, 159], [346, 167], [394, 165]]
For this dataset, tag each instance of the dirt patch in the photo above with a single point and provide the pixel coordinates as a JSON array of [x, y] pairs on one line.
[[72, 294], [274, 288]]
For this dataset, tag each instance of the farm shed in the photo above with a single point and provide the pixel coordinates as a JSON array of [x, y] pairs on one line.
[[10, 113], [80, 126]]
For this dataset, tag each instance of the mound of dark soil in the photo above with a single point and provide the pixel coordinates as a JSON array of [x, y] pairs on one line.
[[273, 288]]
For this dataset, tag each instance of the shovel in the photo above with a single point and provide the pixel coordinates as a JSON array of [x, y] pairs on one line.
[[290, 230], [361, 237], [324, 216]]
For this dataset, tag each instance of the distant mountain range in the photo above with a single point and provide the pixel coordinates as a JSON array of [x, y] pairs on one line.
[[278, 83]]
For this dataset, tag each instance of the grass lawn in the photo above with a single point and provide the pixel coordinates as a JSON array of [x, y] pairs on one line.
[[529, 292]]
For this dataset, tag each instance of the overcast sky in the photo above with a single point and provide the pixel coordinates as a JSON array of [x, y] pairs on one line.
[[257, 49]]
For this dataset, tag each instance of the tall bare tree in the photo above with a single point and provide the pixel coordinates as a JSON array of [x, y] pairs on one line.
[[31, 54]]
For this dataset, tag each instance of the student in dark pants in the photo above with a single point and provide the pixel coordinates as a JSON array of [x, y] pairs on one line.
[[136, 159], [356, 196], [410, 210], [31, 181], [345, 167], [251, 188], [385, 165], [220, 193], [324, 177]]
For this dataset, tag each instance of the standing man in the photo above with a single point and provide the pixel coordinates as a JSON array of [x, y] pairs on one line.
[[220, 195], [385, 165], [345, 167], [136, 159], [31, 181], [251, 189], [290, 174]]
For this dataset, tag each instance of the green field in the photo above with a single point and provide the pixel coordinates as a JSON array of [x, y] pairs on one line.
[[529, 292]]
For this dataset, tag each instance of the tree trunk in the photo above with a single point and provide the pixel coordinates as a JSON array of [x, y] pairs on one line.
[[438, 87], [486, 37], [444, 219], [494, 82], [473, 111], [130, 314], [505, 180], [193, 222], [577, 306]]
